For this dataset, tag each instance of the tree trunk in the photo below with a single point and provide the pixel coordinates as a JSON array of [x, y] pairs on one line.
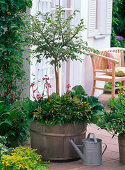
[[57, 78]]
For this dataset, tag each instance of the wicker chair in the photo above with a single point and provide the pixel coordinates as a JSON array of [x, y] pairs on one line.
[[101, 66]]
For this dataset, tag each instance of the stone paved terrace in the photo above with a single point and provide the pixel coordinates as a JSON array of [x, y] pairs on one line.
[[110, 159]]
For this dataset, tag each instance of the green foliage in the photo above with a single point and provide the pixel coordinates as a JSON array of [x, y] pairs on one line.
[[74, 106], [96, 106], [114, 121], [114, 41], [78, 90], [58, 110], [118, 23], [55, 38], [13, 123], [22, 158], [108, 85], [3, 148], [119, 17], [11, 48]]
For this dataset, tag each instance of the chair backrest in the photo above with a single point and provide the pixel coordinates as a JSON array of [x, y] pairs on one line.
[[99, 63], [115, 50]]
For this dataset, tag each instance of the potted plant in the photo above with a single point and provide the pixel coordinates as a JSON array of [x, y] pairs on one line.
[[62, 118], [114, 121], [55, 119], [54, 38]]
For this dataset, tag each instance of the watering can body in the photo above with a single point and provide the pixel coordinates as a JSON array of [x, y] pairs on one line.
[[92, 150]]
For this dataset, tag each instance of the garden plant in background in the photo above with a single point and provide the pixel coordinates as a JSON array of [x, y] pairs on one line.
[[118, 31], [13, 123], [118, 22], [11, 49], [108, 85], [114, 121], [55, 38]]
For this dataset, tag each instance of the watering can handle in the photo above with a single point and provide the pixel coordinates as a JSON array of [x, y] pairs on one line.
[[94, 137], [104, 148]]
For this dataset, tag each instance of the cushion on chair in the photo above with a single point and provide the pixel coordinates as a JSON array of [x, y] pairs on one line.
[[116, 56], [119, 71]]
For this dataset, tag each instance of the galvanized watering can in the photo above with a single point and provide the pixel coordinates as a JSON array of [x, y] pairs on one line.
[[92, 150]]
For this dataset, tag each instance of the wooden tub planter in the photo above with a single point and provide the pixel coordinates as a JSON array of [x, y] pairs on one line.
[[52, 142]]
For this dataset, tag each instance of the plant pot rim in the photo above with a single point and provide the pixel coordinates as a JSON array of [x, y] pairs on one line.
[[75, 122]]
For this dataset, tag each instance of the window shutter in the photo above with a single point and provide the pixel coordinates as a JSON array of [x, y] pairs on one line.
[[92, 18], [108, 16]]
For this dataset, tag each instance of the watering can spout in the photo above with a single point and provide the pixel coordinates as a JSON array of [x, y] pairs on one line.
[[77, 150]]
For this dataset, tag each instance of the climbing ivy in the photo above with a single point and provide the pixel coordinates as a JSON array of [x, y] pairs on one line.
[[11, 48]]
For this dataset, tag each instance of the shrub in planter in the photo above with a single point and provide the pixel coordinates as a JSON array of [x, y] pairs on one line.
[[23, 159], [114, 121], [57, 109], [13, 123], [73, 106]]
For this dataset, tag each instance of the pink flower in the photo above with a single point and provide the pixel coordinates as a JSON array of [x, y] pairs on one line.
[[32, 84], [38, 96], [68, 86], [49, 85], [45, 78]]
